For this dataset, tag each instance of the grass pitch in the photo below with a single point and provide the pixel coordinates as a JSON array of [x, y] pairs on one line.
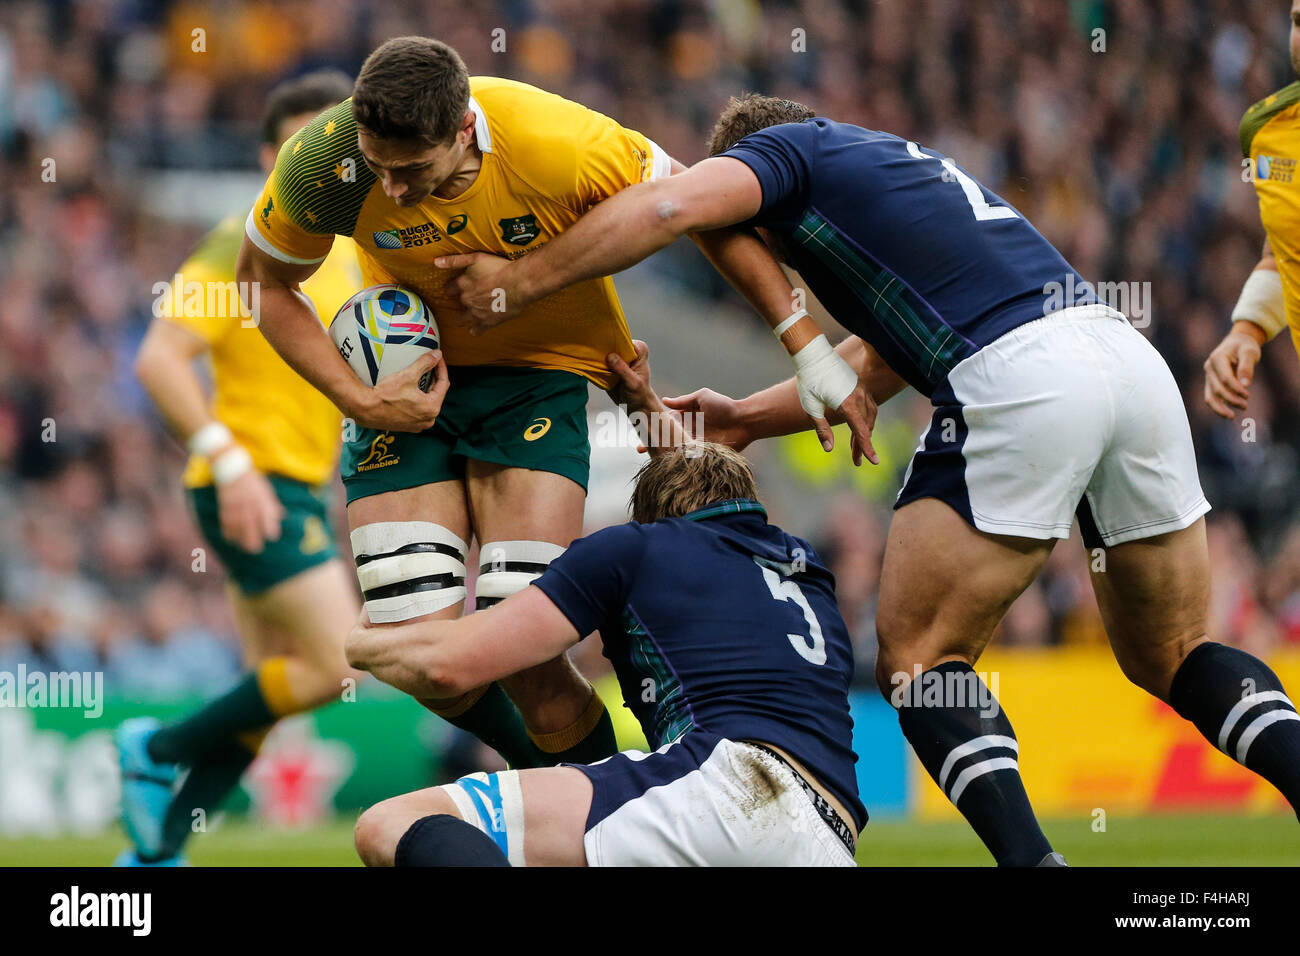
[[1182, 840]]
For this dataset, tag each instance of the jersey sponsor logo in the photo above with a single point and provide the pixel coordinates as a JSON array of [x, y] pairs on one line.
[[1278, 169], [456, 224], [379, 456], [519, 231], [407, 237], [537, 429]]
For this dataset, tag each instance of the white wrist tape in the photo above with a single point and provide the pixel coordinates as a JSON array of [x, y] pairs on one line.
[[208, 439], [230, 465], [785, 324], [822, 377], [1262, 302]]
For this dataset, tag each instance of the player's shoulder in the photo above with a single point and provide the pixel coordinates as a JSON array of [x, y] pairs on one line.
[[533, 130], [320, 179], [1260, 114], [217, 252]]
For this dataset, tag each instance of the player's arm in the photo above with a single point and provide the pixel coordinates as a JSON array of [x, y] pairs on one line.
[[247, 507], [1260, 314], [447, 658], [291, 325], [776, 410], [619, 232]]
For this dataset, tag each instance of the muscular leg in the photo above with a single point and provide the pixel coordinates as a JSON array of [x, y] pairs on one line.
[[944, 587], [565, 718], [1154, 597], [555, 800], [485, 712]]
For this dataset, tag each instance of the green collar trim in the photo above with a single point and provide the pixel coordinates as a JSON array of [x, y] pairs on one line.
[[729, 507]]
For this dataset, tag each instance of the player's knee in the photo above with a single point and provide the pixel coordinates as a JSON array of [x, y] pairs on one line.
[[507, 567], [378, 831], [408, 569]]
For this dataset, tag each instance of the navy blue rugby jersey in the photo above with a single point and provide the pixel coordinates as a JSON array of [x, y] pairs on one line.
[[903, 247], [719, 621]]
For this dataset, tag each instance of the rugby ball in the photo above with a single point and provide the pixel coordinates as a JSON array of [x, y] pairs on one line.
[[383, 329]]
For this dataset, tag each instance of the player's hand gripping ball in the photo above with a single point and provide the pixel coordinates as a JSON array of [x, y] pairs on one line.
[[383, 329]]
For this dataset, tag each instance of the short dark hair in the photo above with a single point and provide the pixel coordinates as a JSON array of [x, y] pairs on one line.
[[687, 478], [750, 112], [309, 93], [412, 88]]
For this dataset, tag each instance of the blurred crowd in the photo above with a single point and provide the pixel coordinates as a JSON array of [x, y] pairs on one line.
[[1112, 124]]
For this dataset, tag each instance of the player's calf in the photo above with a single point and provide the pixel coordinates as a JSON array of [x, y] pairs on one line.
[[566, 719]]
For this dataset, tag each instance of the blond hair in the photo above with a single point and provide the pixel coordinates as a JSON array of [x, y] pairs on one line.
[[687, 478]]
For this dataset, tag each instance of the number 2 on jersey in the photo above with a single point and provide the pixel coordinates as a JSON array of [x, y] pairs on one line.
[[813, 647], [974, 195]]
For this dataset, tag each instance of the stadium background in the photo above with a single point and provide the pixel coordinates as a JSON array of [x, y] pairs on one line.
[[1125, 157]]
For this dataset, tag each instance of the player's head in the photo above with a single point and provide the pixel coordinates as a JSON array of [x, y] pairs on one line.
[[411, 104], [1295, 36], [748, 113], [688, 478], [294, 103]]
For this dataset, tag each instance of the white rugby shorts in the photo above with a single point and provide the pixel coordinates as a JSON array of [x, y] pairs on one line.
[[1074, 413]]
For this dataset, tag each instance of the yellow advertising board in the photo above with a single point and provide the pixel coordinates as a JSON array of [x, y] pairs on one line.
[[1091, 740]]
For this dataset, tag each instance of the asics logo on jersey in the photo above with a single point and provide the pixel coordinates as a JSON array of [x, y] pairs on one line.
[[456, 224], [537, 429]]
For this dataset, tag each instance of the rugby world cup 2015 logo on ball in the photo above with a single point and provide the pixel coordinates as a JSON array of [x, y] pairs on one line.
[[383, 329]]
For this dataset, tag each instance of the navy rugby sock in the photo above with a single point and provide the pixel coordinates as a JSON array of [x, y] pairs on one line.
[[1240, 706], [965, 741], [444, 840]]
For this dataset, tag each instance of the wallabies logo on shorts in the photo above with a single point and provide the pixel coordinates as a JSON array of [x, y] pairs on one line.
[[379, 456], [315, 539]]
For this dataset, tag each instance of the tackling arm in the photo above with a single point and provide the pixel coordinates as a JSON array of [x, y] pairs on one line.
[[447, 658]]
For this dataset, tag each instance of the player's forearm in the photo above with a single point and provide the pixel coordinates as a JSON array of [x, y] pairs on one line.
[[775, 411], [290, 324], [169, 379], [294, 331], [1260, 312], [744, 261], [618, 233]]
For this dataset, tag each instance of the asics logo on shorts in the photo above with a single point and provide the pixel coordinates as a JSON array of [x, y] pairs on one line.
[[537, 429]]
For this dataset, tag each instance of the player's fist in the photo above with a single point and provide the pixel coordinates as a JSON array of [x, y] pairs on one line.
[[1230, 369], [712, 416], [399, 404], [481, 287]]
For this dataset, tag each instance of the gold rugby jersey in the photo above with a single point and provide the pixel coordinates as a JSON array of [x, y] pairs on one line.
[[287, 426], [546, 161], [1270, 138]]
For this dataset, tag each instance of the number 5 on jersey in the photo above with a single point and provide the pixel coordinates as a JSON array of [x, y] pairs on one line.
[[813, 647]]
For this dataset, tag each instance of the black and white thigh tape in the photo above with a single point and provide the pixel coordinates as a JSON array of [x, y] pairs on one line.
[[507, 567], [408, 569]]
